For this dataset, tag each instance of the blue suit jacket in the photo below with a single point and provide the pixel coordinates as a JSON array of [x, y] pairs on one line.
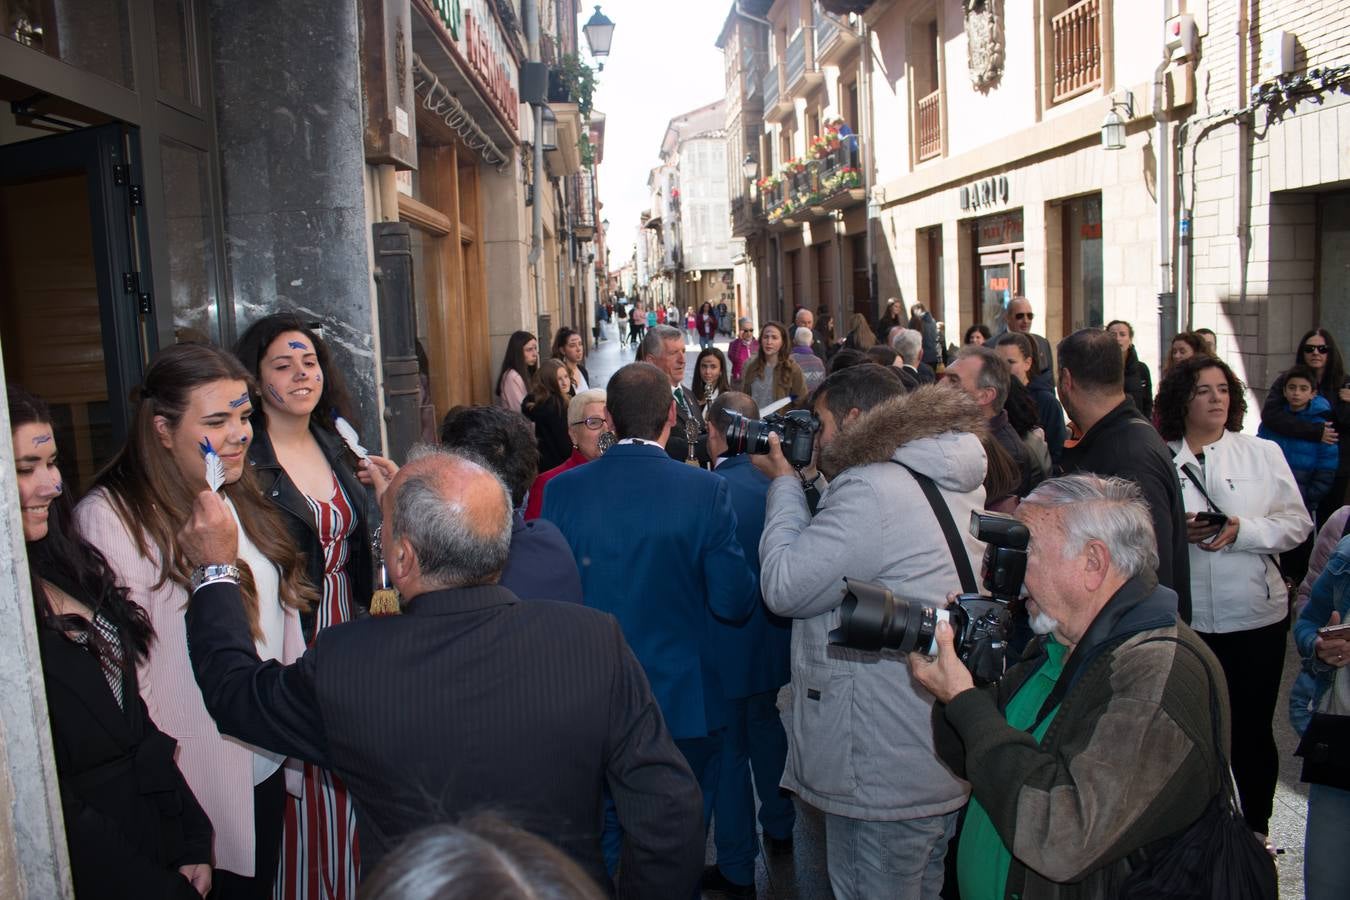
[[752, 657], [540, 565], [656, 544]]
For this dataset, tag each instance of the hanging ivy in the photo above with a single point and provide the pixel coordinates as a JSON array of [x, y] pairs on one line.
[[579, 79]]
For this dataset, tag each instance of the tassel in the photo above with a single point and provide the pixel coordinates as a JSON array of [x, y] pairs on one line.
[[384, 602]]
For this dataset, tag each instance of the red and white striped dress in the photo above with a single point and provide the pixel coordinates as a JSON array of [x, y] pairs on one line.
[[319, 853]]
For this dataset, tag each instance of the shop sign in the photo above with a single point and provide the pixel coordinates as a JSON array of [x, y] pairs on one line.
[[985, 193], [481, 45], [487, 54], [451, 14], [994, 231]]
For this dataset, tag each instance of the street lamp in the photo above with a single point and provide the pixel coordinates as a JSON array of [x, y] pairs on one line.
[[548, 131], [599, 31], [1113, 126], [749, 167]]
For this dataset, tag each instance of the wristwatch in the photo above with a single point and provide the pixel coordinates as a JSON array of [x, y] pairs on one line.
[[203, 575]]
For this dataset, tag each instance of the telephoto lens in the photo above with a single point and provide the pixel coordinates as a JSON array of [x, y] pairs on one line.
[[870, 618]]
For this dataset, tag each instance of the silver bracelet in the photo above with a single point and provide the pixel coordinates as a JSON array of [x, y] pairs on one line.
[[204, 575]]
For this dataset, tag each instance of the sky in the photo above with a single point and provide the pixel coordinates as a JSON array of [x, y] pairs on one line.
[[662, 62]]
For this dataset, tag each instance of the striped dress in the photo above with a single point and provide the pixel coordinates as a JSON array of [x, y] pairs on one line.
[[319, 853]]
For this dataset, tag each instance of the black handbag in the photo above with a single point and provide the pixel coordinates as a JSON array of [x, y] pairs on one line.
[[1216, 857], [1325, 749]]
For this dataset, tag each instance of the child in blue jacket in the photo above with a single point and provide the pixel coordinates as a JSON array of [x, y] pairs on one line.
[[1313, 462]]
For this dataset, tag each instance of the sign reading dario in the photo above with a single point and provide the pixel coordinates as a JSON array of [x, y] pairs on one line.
[[985, 193]]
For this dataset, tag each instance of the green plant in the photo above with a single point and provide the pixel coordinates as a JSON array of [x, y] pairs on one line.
[[587, 151], [579, 79]]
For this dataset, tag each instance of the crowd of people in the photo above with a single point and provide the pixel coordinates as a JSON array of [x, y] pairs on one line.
[[575, 689]]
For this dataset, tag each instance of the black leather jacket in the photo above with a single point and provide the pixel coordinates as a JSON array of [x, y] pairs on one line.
[[278, 487]]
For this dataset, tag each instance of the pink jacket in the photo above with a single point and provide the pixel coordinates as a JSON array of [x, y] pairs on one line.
[[1327, 539], [218, 769], [738, 353]]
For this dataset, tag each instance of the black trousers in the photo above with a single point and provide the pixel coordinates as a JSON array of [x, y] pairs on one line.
[[1253, 663], [269, 808]]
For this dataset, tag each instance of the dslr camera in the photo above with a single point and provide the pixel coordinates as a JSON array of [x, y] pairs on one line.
[[871, 618], [796, 432]]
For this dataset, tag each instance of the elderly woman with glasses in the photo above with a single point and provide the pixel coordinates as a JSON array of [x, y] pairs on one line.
[[590, 438], [742, 348]]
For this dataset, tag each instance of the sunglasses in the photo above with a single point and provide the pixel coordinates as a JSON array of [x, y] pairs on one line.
[[1027, 316], [594, 423], [1316, 348]]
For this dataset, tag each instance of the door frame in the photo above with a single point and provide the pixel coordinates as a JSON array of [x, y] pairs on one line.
[[108, 157]]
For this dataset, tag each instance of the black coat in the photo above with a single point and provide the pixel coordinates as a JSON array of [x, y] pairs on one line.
[[278, 487], [550, 431], [470, 699], [131, 819], [1125, 444], [1139, 383]]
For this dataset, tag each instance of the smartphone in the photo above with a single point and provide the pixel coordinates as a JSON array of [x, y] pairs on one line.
[[1335, 631], [1211, 518]]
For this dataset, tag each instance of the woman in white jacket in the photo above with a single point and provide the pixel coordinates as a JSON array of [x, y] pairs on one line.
[[1242, 508]]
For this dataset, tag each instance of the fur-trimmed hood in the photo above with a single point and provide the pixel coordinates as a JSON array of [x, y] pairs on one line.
[[936, 430]]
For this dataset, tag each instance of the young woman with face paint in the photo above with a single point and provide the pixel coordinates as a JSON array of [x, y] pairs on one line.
[[304, 468], [193, 394], [92, 638]]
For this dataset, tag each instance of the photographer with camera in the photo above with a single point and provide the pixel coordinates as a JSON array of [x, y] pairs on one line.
[[860, 746], [1105, 738]]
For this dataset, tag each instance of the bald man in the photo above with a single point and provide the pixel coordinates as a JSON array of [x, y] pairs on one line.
[[1020, 317], [470, 699]]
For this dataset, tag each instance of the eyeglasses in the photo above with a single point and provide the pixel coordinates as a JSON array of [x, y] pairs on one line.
[[747, 331], [594, 423], [1316, 348], [1027, 316]]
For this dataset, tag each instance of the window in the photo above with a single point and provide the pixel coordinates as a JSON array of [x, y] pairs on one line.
[[1075, 44]]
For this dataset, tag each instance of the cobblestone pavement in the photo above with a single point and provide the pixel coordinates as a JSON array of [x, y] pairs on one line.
[[802, 876]]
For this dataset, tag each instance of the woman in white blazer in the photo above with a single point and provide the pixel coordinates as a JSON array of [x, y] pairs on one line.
[[1242, 509]]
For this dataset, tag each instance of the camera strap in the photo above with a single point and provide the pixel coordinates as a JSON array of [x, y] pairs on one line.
[[949, 529]]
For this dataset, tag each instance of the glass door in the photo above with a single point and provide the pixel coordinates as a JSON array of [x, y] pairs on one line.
[[76, 309]]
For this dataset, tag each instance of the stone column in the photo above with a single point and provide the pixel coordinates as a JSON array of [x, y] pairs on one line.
[[33, 860], [289, 127]]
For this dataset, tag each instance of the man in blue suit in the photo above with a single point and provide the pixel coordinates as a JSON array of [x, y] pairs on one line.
[[753, 663], [656, 544]]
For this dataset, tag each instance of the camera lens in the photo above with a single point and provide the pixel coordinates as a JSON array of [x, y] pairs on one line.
[[756, 437], [871, 618]]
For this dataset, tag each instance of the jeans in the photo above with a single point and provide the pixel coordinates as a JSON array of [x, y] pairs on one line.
[[755, 741], [887, 860], [1325, 875], [704, 342]]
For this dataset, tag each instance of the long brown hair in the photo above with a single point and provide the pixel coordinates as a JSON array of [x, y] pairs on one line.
[[784, 364], [545, 386], [153, 499]]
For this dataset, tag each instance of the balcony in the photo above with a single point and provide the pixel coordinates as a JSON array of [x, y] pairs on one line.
[[833, 39], [831, 182], [929, 120], [582, 200], [1076, 44], [745, 216], [799, 71], [776, 104]]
